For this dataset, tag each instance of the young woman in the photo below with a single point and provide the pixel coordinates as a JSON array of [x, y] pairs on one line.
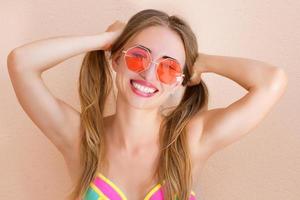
[[140, 152]]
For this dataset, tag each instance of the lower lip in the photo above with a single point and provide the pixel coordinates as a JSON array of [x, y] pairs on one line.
[[142, 94]]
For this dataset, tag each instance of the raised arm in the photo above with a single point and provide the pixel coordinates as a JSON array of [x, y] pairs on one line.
[[265, 84], [56, 119]]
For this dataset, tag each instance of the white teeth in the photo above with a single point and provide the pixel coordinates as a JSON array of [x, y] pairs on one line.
[[143, 88]]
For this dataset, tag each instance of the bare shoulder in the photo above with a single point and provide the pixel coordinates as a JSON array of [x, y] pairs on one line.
[[202, 144], [72, 156], [71, 153], [213, 130], [200, 152]]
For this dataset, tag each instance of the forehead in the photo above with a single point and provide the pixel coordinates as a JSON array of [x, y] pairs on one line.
[[161, 41]]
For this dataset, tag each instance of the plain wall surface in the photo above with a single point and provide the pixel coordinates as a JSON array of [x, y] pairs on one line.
[[263, 165]]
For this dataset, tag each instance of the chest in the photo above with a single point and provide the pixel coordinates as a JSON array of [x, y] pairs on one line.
[[133, 176]]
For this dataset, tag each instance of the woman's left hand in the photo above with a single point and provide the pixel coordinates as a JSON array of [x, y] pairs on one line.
[[197, 70], [113, 31]]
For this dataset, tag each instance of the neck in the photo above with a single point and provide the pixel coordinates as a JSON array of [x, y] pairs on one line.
[[134, 128]]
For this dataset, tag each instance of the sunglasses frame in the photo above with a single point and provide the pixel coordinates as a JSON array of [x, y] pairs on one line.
[[178, 78]]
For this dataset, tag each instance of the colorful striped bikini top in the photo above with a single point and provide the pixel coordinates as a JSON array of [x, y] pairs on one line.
[[104, 189]]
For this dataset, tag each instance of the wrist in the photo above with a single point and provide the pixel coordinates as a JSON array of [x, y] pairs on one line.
[[110, 38]]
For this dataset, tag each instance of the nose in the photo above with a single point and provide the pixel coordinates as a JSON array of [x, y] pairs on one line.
[[150, 73]]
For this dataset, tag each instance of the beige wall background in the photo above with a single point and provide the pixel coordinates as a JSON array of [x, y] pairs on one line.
[[263, 165]]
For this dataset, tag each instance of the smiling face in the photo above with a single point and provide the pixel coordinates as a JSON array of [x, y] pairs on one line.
[[161, 42]]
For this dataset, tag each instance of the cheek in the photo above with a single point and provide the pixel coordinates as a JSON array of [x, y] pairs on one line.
[[168, 88], [122, 79], [166, 91], [117, 82], [122, 71]]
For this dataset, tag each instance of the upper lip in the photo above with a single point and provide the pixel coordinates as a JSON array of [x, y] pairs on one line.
[[145, 83]]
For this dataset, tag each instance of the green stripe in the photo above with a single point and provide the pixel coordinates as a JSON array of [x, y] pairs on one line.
[[91, 195]]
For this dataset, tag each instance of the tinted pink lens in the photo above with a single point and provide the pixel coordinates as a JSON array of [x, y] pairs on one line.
[[137, 59], [168, 70]]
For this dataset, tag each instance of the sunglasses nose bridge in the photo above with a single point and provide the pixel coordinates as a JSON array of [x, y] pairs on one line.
[[150, 71]]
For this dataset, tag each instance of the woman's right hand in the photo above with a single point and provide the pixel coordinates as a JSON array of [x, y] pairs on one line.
[[113, 30]]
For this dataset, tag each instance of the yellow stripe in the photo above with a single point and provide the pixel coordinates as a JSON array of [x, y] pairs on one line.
[[120, 192], [149, 195], [113, 186], [102, 196], [193, 193]]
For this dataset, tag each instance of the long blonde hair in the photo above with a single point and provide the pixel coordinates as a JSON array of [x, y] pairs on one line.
[[95, 84]]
